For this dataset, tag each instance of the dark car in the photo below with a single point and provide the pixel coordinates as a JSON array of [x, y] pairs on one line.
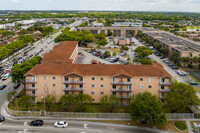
[[16, 86], [1, 72], [193, 83], [36, 123], [31, 55], [2, 87], [174, 67], [2, 118]]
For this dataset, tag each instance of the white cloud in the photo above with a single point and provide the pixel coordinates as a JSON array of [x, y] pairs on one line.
[[15, 1]]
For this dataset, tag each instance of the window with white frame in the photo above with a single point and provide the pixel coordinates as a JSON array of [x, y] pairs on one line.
[[150, 79], [45, 84], [93, 85], [54, 92], [141, 79], [54, 78], [141, 86], [93, 78], [102, 86], [54, 85], [93, 92], [45, 77], [150, 86]]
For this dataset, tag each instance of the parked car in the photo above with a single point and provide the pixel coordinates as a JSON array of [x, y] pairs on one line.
[[61, 124], [2, 87], [193, 83], [36, 123], [1, 72], [31, 55], [6, 76], [2, 118], [181, 73], [16, 85], [174, 67]]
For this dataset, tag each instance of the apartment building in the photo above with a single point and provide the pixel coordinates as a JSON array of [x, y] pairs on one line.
[[184, 47], [60, 77], [65, 52]]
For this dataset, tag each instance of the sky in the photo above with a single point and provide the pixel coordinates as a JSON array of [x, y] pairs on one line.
[[114, 5]]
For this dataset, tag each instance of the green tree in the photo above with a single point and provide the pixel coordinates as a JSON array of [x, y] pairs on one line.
[[181, 97], [7, 34], [136, 60], [132, 33], [110, 33], [145, 61], [100, 36], [22, 32], [50, 101], [25, 102], [128, 59], [27, 39], [146, 109], [11, 97], [82, 100], [66, 102], [186, 60], [195, 60], [107, 53], [110, 104], [114, 53], [18, 71], [102, 42], [143, 51]]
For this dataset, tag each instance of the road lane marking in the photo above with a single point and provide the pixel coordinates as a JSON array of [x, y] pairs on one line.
[[1, 123], [25, 123], [85, 126]]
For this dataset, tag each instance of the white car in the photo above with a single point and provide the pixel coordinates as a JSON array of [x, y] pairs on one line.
[[61, 124]]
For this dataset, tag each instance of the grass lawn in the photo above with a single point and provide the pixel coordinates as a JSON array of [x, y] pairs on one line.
[[117, 50], [193, 27], [169, 126]]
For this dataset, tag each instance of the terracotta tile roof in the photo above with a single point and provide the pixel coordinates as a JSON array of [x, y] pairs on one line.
[[155, 70], [60, 53]]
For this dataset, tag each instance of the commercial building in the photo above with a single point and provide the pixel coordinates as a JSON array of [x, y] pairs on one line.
[[57, 77], [122, 41]]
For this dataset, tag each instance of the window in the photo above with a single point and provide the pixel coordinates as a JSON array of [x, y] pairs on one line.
[[128, 80], [141, 86], [33, 85], [93, 99], [93, 85], [45, 84], [54, 85], [66, 85], [54, 78], [66, 93], [114, 86], [114, 93], [66, 78], [162, 87], [93, 92], [93, 78], [101, 92], [150, 79], [102, 86], [33, 92], [80, 92], [150, 86], [33, 78], [114, 79], [129, 87], [46, 91], [81, 78], [53, 92], [45, 77], [141, 92], [80, 86], [141, 79], [102, 78], [163, 80]]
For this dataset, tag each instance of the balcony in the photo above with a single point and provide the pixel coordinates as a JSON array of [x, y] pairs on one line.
[[33, 95], [73, 82], [165, 83], [164, 90], [121, 82], [124, 97], [121, 90], [73, 89], [30, 88], [161, 97], [30, 81]]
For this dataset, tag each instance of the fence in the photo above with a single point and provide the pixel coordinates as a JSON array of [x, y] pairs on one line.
[[126, 116], [180, 115]]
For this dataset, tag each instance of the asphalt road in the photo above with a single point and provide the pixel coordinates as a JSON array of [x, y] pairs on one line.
[[73, 127]]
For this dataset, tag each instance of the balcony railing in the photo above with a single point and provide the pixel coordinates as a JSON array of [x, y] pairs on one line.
[[73, 89], [30, 81], [121, 82], [121, 90], [165, 83], [124, 97], [33, 95], [164, 90], [73, 82], [31, 88]]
